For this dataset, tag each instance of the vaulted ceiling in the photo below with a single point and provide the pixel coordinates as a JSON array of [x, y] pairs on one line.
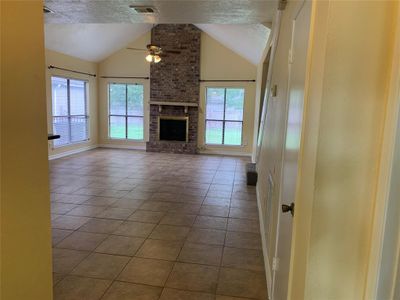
[[93, 30]]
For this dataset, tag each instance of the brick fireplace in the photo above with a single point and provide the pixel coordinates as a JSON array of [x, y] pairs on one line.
[[175, 87]]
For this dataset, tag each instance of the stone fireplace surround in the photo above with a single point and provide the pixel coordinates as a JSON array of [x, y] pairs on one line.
[[175, 83]]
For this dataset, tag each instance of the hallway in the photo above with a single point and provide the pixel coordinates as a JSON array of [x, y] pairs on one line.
[[135, 225]]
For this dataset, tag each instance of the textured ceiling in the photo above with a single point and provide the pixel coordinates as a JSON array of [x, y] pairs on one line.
[[92, 29], [95, 42], [92, 42], [178, 11]]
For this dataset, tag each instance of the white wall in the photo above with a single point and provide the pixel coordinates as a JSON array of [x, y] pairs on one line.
[[124, 63], [217, 62]]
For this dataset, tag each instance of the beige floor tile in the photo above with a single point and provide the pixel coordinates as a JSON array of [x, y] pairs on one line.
[[242, 283], [243, 213], [185, 208], [127, 203], [102, 266], [210, 222], [100, 201], [243, 259], [61, 208], [100, 225], [160, 249], [116, 213], [217, 201], [156, 206], [170, 232], [131, 291], [138, 229], [193, 277], [80, 288], [245, 240], [219, 297], [120, 245], [59, 234], [86, 211], [64, 260], [201, 254], [82, 241], [139, 194], [206, 236], [214, 211], [146, 271], [57, 277], [243, 204], [74, 199], [146, 216], [69, 222], [173, 294], [178, 219], [243, 225]]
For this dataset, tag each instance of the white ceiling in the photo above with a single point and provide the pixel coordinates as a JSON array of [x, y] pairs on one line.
[[177, 11], [92, 30], [91, 42], [95, 42], [248, 41]]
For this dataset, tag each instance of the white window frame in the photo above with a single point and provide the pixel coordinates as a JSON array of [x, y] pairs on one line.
[[126, 116], [69, 116], [224, 120]]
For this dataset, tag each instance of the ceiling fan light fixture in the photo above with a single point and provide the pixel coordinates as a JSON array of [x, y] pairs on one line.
[[157, 58], [149, 58]]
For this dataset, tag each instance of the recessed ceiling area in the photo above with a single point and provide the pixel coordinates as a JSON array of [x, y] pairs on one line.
[[181, 11]]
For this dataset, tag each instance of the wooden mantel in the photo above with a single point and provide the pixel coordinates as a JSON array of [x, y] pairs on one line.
[[183, 104]]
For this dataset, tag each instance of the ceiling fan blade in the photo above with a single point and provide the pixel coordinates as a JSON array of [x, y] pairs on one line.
[[136, 49]]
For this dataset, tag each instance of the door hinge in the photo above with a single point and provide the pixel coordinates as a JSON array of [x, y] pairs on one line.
[[275, 264]]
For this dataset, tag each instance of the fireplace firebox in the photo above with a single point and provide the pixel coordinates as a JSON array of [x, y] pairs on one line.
[[172, 128]]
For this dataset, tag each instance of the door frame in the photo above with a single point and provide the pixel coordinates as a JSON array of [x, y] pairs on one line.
[[281, 201], [386, 162]]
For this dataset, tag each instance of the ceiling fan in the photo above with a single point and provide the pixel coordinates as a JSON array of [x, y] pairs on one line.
[[154, 52]]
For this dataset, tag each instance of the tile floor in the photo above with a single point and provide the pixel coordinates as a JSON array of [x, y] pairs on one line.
[[135, 225]]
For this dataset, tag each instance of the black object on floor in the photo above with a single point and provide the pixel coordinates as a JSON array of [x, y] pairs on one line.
[[251, 174]]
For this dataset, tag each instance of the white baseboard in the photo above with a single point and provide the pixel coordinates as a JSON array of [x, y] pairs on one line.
[[122, 146], [71, 152], [225, 153], [267, 265]]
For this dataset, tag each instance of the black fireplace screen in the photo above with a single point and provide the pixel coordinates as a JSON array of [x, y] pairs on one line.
[[173, 129]]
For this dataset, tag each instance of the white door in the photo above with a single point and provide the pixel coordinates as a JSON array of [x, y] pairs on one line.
[[296, 82]]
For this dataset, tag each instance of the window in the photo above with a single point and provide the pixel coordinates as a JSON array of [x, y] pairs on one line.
[[224, 116], [70, 118], [126, 111]]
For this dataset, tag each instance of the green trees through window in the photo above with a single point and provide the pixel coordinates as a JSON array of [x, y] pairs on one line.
[[224, 116], [126, 111]]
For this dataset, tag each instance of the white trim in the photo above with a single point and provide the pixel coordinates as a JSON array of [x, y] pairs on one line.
[[131, 147], [267, 265], [224, 152], [71, 152]]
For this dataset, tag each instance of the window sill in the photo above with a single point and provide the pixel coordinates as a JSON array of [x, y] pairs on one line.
[[70, 144]]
